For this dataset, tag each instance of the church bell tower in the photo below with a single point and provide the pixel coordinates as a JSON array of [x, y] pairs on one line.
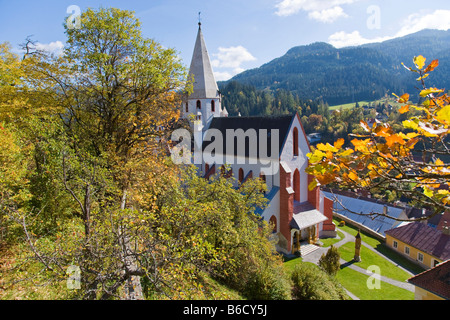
[[204, 103]]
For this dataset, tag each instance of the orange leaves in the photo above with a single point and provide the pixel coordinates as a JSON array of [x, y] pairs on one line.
[[432, 66], [383, 157], [361, 145], [339, 143], [394, 138], [404, 109]]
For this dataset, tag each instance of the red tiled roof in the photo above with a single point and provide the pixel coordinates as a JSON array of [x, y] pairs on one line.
[[435, 280], [424, 238]]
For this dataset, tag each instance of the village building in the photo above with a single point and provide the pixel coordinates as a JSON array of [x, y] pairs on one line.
[[433, 284], [422, 244], [297, 214]]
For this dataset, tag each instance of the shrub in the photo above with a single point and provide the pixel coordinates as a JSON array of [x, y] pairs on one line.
[[329, 262], [311, 283], [342, 223]]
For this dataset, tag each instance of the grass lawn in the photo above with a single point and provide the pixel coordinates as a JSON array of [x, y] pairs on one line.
[[356, 283], [369, 258], [329, 241], [382, 248]]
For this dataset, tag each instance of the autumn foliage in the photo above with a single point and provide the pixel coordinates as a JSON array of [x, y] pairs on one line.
[[412, 162]]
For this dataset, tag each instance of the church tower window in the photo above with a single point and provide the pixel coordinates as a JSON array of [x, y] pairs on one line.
[[295, 144], [199, 105], [241, 175], [213, 106], [187, 107]]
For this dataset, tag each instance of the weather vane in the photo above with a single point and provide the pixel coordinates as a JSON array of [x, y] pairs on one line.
[[199, 19]]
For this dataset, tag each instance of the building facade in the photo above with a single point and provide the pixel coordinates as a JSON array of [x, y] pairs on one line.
[[271, 148]]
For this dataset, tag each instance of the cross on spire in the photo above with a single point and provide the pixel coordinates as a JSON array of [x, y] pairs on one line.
[[199, 19]]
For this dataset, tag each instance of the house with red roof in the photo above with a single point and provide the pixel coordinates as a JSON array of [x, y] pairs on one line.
[[433, 284], [425, 245]]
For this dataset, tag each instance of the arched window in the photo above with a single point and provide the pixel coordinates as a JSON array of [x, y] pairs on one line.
[[199, 104], [295, 144], [213, 106], [296, 185], [187, 107], [241, 175], [273, 223]]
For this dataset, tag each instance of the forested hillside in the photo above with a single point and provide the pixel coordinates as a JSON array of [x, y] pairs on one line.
[[351, 74]]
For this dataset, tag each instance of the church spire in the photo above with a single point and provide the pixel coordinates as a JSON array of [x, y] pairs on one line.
[[205, 86]]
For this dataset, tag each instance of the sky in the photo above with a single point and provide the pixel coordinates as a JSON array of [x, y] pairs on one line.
[[239, 34]]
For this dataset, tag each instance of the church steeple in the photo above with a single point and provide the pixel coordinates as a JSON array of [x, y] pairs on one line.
[[205, 85], [205, 100]]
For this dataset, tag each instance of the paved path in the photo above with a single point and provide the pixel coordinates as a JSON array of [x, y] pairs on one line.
[[315, 256]]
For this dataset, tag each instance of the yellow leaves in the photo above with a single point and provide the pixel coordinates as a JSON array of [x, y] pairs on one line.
[[410, 124], [353, 176], [439, 162], [429, 91], [444, 115], [419, 61]]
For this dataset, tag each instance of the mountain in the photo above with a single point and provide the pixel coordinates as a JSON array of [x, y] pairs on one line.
[[350, 74]]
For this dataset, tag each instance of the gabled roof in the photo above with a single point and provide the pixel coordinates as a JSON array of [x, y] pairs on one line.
[[305, 215], [424, 238], [435, 280], [205, 85], [269, 123]]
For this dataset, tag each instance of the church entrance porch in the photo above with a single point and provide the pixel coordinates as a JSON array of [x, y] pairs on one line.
[[303, 237], [305, 224]]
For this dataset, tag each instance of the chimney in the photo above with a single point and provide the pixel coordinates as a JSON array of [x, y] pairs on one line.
[[446, 229]]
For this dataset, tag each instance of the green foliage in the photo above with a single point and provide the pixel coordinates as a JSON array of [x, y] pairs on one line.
[[330, 262], [349, 74], [311, 283]]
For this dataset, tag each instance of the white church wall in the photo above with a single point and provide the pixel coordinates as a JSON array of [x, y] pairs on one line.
[[299, 162]]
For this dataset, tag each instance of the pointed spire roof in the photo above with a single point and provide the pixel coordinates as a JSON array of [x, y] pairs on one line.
[[205, 85]]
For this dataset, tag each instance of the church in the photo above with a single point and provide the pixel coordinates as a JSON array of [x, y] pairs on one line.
[[272, 148]]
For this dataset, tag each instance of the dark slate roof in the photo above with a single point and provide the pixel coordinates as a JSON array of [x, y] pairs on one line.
[[281, 123], [424, 238], [415, 213], [435, 280], [357, 208]]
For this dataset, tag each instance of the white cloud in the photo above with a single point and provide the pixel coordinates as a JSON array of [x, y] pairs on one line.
[[230, 58], [328, 15], [343, 39], [439, 19], [321, 10], [55, 47], [222, 76]]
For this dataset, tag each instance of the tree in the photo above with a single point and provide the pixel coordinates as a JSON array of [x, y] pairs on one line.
[[330, 262], [412, 162], [112, 91], [133, 218]]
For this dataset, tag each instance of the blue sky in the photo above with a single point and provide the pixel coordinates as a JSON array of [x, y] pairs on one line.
[[240, 34]]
